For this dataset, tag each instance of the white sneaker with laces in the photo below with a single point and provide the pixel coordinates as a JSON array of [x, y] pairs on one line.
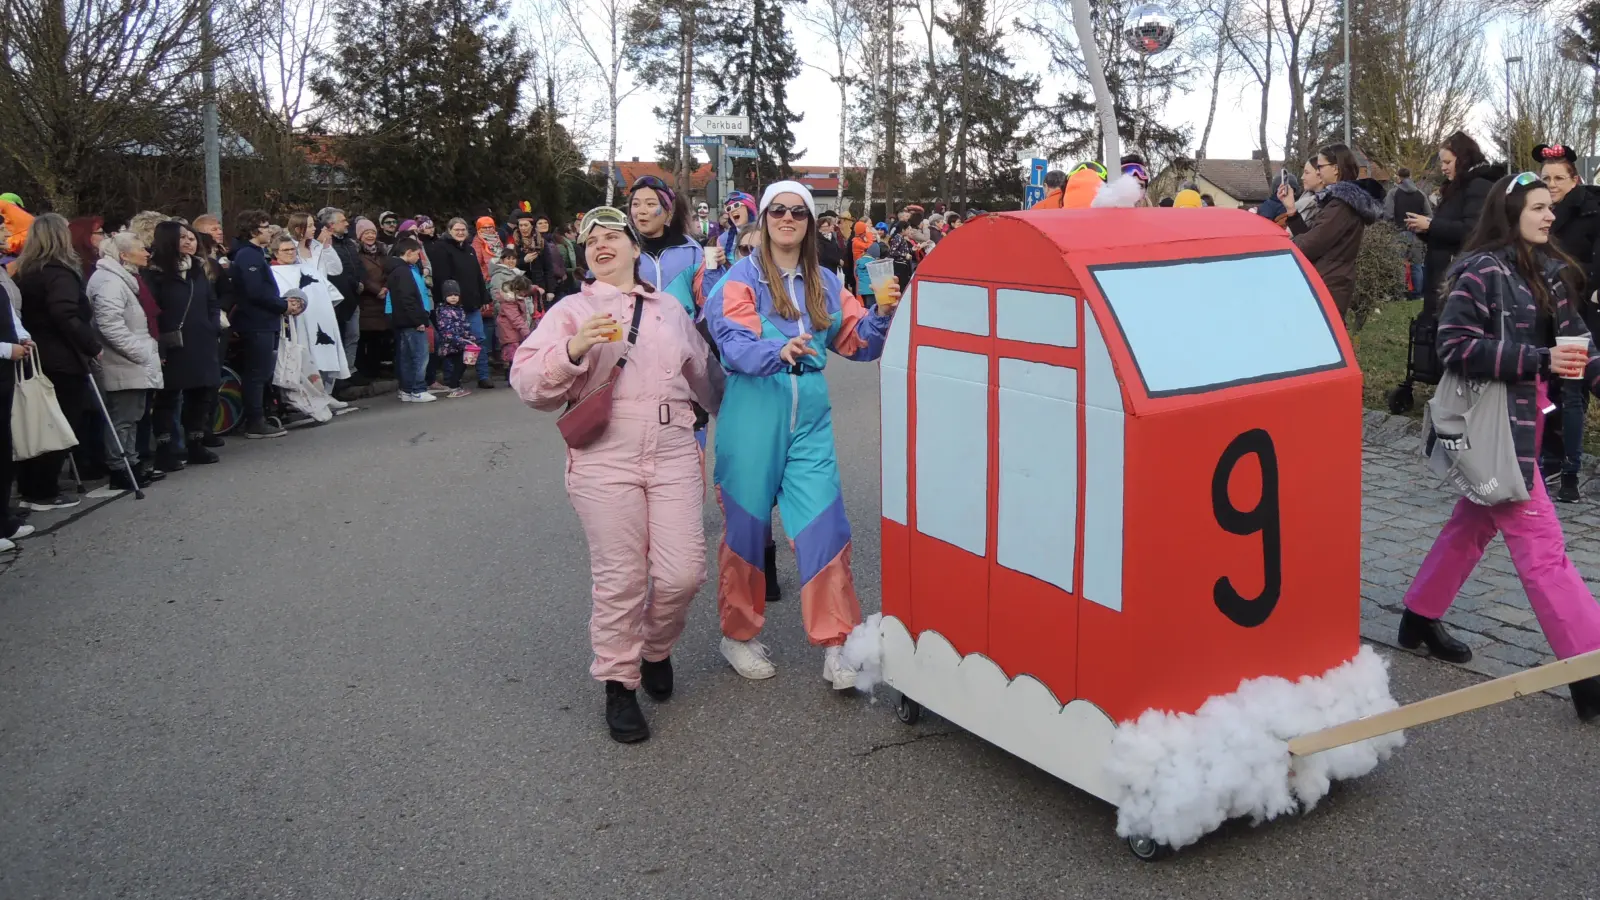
[[836, 671], [424, 397], [748, 658]]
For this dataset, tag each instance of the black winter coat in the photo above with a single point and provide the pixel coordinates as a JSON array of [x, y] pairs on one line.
[[830, 255], [1577, 232], [1454, 219], [458, 262], [187, 301], [56, 312], [406, 308], [348, 281]]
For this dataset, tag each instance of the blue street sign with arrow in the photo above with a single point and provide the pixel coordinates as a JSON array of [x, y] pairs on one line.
[[741, 153], [703, 140]]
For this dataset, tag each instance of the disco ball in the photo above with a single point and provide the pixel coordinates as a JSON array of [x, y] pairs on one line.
[[1150, 29]]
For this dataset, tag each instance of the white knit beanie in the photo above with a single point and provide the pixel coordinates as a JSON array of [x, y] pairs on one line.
[[786, 187]]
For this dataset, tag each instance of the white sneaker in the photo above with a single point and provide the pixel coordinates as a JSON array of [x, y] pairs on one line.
[[748, 658], [405, 397], [22, 532], [336, 404], [424, 397], [836, 671], [6, 545]]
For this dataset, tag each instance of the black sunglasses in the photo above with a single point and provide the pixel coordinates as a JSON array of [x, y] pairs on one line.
[[798, 213], [744, 250]]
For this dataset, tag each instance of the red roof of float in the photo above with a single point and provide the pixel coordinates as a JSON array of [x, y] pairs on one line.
[[1078, 230]]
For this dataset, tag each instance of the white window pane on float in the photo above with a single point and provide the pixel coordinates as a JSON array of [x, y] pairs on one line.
[[1036, 318], [892, 406], [953, 447], [1103, 471], [953, 307], [1205, 324], [1038, 504]]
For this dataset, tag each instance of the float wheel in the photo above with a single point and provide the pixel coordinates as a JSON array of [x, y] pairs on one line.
[[908, 710], [1148, 849]]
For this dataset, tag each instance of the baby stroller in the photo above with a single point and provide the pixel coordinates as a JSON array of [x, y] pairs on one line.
[[1422, 361]]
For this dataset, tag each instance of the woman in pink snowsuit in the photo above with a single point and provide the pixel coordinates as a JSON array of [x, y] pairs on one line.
[[638, 489]]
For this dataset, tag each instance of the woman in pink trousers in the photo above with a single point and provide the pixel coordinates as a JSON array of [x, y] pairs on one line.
[[638, 489], [1509, 300]]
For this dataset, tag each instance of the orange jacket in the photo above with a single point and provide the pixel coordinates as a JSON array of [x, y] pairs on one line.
[[1082, 188], [862, 240], [18, 221], [1056, 199]]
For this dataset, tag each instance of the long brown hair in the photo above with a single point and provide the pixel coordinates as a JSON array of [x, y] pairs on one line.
[[810, 273], [1499, 227], [48, 242]]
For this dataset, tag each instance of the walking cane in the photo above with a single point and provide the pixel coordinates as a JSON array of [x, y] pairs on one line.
[[73, 462], [116, 438]]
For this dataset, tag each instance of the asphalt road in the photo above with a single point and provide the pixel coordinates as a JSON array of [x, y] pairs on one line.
[[353, 664]]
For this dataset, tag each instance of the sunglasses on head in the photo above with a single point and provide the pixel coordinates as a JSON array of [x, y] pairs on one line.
[[1523, 180], [649, 181], [798, 212]]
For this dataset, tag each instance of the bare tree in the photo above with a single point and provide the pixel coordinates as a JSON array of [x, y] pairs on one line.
[[1550, 94], [1420, 65], [1217, 20], [1302, 33], [563, 80], [608, 18], [86, 79], [839, 23], [267, 95], [1253, 41]]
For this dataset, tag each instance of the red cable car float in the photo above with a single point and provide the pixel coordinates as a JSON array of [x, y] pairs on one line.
[[1121, 511]]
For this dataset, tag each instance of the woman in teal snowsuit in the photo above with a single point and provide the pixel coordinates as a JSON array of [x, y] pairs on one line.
[[775, 316]]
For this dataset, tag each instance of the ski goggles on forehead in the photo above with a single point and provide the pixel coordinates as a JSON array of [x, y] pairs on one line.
[[1091, 166], [1137, 172], [1523, 180], [608, 217], [649, 181]]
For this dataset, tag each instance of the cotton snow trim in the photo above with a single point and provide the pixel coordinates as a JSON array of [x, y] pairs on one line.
[[863, 651], [1177, 777], [1123, 193]]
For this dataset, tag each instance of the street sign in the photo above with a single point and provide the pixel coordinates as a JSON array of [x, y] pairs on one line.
[[741, 153], [1036, 169], [1032, 194], [700, 140], [733, 126]]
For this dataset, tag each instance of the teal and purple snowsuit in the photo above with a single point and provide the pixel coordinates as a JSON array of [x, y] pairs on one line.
[[775, 441]]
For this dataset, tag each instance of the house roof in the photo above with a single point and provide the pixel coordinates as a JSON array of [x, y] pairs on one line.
[[1243, 180], [633, 170]]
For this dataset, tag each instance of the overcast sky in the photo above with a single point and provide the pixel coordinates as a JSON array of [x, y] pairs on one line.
[[1233, 136]]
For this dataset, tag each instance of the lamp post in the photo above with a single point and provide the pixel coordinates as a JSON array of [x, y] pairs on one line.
[[208, 112], [1347, 141], [1511, 122]]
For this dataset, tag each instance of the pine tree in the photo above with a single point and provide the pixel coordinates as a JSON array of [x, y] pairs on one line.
[[425, 99], [989, 110], [664, 39], [755, 60]]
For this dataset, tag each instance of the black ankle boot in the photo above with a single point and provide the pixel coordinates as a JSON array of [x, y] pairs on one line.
[[1417, 630], [167, 459], [200, 456], [656, 678], [1586, 697], [774, 592], [623, 715]]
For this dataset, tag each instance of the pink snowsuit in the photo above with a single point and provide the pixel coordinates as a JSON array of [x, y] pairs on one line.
[[640, 487]]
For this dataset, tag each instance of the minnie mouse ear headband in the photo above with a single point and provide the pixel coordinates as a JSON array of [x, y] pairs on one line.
[[1552, 152]]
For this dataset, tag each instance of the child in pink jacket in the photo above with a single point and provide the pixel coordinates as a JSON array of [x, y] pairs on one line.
[[511, 324], [638, 488]]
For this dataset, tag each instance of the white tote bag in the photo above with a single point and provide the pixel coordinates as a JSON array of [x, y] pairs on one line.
[[37, 424]]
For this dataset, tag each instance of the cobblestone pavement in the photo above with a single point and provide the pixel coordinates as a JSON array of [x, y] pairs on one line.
[[1402, 510]]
